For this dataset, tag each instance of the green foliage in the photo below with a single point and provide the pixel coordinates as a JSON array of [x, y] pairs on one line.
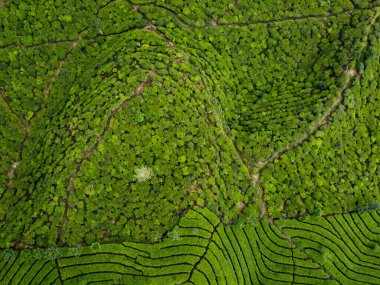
[[220, 254], [117, 117], [337, 169]]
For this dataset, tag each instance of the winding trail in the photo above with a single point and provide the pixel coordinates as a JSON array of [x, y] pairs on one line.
[[88, 153], [213, 24], [263, 206], [26, 124], [351, 75], [322, 122], [216, 24], [12, 169]]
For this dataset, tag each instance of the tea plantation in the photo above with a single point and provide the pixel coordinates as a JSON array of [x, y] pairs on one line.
[[190, 142]]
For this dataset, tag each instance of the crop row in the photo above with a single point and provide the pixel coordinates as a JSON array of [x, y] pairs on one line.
[[337, 249]]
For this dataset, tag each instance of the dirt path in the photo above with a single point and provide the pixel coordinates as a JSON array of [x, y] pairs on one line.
[[213, 24], [11, 173], [323, 121], [88, 153], [262, 204], [216, 24], [351, 75], [26, 124], [12, 169]]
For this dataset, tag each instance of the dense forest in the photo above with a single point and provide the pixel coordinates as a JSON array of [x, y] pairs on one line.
[[123, 122]]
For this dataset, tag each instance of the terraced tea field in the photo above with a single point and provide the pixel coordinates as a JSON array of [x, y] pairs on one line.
[[337, 249], [190, 142]]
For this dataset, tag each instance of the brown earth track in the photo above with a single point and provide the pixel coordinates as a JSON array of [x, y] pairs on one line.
[[88, 153]]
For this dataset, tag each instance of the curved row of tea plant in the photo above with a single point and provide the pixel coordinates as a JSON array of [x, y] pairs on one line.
[[119, 116], [337, 249]]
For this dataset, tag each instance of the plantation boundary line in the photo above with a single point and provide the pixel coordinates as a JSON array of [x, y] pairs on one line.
[[295, 18], [242, 24], [70, 41], [66, 41], [110, 262], [38, 44], [289, 239], [103, 252], [286, 19], [324, 216], [87, 153], [137, 6], [2, 3]]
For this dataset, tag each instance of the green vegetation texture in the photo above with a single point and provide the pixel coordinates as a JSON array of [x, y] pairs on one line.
[[338, 249], [198, 142]]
